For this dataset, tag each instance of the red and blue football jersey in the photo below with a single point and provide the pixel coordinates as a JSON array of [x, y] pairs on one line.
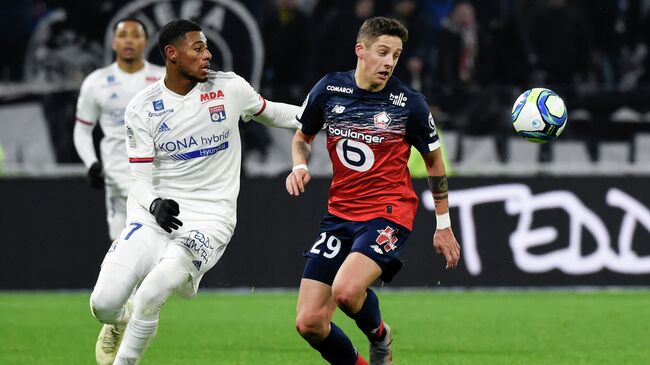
[[369, 138]]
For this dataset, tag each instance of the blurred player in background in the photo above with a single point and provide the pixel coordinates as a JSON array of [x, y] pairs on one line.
[[371, 122], [184, 149], [103, 97]]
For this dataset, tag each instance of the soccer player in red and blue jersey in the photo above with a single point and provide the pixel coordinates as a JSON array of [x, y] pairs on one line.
[[371, 121]]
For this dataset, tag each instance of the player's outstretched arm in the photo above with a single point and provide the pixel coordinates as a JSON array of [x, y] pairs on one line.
[[300, 152], [279, 115], [444, 241]]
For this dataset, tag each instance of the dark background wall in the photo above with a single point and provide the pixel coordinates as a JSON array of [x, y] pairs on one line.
[[53, 234]]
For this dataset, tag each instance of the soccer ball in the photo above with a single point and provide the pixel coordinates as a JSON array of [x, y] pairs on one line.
[[539, 115]]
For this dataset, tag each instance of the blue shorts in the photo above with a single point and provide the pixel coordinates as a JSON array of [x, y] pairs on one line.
[[379, 239]]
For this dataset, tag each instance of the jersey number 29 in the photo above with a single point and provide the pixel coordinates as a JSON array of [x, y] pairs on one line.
[[333, 246]]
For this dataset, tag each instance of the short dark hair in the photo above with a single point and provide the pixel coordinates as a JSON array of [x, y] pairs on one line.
[[173, 31], [375, 27], [131, 19]]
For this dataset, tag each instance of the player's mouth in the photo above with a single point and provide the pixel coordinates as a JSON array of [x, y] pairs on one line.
[[383, 75], [205, 68]]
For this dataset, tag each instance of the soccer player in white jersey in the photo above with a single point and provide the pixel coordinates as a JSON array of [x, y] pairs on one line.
[[103, 97], [184, 149]]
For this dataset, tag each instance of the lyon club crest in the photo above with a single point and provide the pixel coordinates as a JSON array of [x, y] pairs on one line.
[[217, 113]]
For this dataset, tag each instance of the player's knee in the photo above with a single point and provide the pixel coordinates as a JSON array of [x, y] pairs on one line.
[[311, 326], [105, 307], [347, 298]]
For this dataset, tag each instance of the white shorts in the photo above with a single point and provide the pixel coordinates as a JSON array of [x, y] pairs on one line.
[[140, 248]]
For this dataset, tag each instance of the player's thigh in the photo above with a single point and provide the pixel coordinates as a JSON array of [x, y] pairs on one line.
[[198, 248], [356, 274], [161, 282], [138, 248]]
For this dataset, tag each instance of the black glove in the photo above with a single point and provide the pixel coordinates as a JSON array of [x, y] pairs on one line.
[[165, 211], [96, 175]]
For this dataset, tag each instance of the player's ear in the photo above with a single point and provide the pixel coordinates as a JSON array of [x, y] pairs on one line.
[[170, 53], [359, 49]]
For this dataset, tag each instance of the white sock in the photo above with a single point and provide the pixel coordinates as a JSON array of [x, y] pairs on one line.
[[136, 338]]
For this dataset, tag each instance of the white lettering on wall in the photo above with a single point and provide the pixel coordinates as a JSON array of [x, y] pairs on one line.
[[519, 201]]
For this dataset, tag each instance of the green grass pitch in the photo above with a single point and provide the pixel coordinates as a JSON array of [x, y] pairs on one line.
[[429, 327]]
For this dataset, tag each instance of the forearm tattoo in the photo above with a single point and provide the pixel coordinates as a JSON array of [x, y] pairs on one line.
[[438, 186], [304, 149]]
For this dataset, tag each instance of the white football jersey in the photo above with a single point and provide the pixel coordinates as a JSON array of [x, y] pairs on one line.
[[104, 96], [193, 141]]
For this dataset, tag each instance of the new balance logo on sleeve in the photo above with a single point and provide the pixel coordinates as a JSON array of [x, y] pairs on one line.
[[338, 109]]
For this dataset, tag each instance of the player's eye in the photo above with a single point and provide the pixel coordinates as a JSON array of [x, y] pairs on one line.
[[197, 49]]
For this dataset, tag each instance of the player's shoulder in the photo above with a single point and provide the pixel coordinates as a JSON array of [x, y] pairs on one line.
[[225, 79], [217, 76], [228, 82], [396, 85], [335, 82], [147, 95], [406, 96]]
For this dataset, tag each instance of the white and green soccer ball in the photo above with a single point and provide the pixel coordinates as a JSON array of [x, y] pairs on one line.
[[539, 115]]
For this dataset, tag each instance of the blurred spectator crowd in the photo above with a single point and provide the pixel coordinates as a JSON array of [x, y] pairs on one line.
[[471, 59]]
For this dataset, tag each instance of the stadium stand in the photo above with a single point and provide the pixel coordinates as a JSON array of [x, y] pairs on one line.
[[470, 61]]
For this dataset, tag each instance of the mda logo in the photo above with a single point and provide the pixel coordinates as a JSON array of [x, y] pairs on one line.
[[211, 96]]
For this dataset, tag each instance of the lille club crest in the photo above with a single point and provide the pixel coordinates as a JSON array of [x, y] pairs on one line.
[[387, 238], [382, 120], [217, 113]]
